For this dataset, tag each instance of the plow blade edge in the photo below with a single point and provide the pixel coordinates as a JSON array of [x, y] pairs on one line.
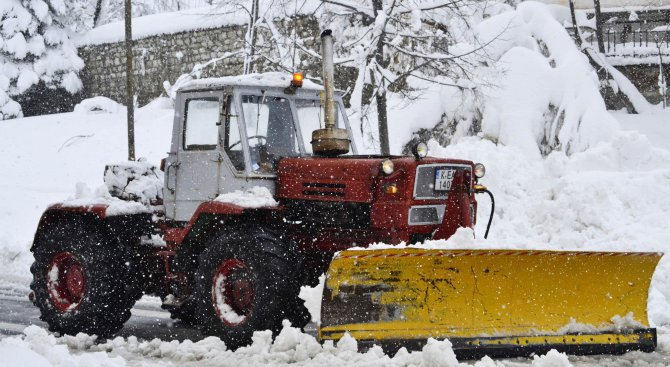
[[491, 302]]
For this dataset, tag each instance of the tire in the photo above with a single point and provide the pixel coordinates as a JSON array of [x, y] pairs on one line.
[[78, 280], [241, 288]]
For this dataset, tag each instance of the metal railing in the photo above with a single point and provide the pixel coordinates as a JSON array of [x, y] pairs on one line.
[[615, 39]]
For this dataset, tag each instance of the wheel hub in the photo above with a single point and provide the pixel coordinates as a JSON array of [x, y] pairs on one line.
[[66, 282], [233, 292]]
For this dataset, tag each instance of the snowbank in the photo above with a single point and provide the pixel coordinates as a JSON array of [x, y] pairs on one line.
[[291, 346]]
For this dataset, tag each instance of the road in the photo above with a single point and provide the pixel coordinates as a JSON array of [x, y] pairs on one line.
[[149, 321]]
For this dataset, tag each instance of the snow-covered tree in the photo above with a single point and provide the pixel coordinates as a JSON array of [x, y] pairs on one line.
[[35, 47], [393, 41]]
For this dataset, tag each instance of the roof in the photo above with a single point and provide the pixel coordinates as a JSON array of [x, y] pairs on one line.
[[207, 17], [614, 5], [270, 79]]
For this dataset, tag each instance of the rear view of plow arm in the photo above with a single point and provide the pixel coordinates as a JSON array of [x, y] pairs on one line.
[[494, 302]]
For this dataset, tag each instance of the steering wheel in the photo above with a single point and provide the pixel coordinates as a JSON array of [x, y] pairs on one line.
[[259, 137]]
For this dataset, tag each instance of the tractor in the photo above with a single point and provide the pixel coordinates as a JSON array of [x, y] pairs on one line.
[[231, 265]]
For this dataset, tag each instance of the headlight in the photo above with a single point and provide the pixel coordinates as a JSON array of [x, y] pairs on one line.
[[420, 150], [387, 166], [480, 170]]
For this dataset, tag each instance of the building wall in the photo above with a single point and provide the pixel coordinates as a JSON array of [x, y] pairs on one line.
[[166, 57]]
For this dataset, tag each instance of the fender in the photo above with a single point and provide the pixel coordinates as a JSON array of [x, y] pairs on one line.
[[124, 227], [212, 216]]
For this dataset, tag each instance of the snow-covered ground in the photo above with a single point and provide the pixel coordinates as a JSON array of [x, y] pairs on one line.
[[606, 187]]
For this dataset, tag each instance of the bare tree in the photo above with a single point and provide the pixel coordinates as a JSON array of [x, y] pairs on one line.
[[599, 26]]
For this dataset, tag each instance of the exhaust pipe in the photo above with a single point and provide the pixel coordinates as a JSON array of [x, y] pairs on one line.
[[331, 140]]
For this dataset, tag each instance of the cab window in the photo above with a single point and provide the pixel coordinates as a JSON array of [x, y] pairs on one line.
[[201, 118], [270, 131]]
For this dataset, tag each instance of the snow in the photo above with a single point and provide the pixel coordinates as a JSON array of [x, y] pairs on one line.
[[99, 104], [269, 79], [254, 197], [34, 47], [139, 181], [609, 191], [223, 309], [84, 197], [207, 17], [551, 359], [312, 298]]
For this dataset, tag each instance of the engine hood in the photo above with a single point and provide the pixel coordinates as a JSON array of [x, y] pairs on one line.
[[348, 178]]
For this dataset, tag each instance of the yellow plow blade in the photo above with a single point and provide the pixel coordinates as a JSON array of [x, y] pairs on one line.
[[495, 302]]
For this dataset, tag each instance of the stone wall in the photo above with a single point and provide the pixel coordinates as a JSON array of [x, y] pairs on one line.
[[166, 57]]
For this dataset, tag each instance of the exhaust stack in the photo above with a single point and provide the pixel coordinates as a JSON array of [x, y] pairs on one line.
[[329, 141]]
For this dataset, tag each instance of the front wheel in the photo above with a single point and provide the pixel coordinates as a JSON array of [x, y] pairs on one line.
[[241, 289]]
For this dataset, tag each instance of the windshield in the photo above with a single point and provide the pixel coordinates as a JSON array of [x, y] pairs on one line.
[[271, 132]]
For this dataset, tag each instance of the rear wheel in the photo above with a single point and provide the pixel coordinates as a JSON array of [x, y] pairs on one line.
[[78, 281], [241, 288]]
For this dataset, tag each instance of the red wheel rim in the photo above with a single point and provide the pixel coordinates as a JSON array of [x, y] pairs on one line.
[[66, 282], [233, 292]]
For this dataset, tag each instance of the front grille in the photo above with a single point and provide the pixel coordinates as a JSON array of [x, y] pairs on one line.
[[424, 181], [323, 189]]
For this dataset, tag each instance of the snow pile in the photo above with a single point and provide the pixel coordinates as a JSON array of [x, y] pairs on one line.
[[291, 346], [564, 111], [40, 349], [552, 359], [618, 323], [34, 48], [312, 298], [84, 197], [254, 197], [99, 104], [438, 353], [138, 181]]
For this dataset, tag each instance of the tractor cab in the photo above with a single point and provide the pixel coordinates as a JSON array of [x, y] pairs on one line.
[[230, 133]]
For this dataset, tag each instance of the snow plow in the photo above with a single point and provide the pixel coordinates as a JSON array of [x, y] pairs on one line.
[[257, 197], [491, 302]]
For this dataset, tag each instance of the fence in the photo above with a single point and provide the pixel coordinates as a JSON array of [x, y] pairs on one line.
[[637, 42]]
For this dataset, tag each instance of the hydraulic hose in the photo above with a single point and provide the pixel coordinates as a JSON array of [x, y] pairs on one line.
[[493, 206]]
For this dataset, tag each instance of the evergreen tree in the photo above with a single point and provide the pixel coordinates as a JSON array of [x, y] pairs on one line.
[[35, 47]]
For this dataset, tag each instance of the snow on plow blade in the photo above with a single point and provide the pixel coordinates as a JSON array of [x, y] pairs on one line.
[[491, 302]]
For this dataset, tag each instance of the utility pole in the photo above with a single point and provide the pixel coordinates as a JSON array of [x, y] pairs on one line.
[[130, 100]]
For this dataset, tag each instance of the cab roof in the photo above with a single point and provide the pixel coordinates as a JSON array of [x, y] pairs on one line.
[[268, 80]]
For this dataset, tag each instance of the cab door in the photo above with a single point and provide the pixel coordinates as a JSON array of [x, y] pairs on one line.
[[198, 161]]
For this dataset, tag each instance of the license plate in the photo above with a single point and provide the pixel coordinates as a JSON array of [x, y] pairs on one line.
[[443, 179]]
